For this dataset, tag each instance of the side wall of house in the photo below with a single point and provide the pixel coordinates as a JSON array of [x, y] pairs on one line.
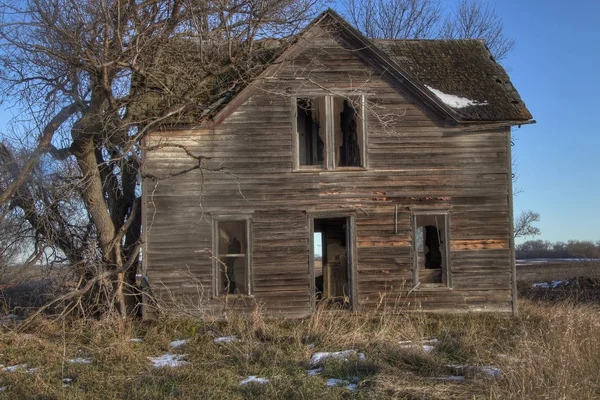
[[413, 164]]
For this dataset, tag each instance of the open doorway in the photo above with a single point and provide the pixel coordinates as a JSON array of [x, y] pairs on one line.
[[332, 261]]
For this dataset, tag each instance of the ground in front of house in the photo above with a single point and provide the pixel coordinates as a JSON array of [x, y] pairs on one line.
[[552, 350]]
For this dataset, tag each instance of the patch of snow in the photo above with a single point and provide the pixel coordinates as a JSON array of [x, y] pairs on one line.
[[15, 368], [315, 371], [548, 285], [136, 340], [168, 360], [3, 388], [67, 380], [254, 379], [226, 339], [339, 382], [424, 347], [485, 369], [451, 378], [455, 101], [32, 370], [320, 357], [311, 346], [178, 343], [491, 371], [80, 360], [543, 285], [7, 319]]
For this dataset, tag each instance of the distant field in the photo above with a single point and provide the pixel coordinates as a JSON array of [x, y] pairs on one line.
[[539, 270]]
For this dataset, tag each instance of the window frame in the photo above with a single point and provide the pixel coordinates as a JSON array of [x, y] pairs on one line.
[[447, 269], [216, 219], [329, 145]]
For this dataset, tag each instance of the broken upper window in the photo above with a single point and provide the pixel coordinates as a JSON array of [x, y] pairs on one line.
[[347, 133], [330, 132], [310, 125], [431, 250], [232, 261]]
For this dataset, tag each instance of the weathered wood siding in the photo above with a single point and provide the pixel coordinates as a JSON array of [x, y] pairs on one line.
[[412, 162]]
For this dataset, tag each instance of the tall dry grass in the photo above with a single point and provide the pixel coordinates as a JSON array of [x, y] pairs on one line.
[[551, 351]]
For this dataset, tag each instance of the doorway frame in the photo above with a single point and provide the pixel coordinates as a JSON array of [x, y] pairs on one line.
[[350, 217]]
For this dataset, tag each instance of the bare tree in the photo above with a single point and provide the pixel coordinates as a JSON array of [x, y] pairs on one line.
[[524, 224], [395, 19], [474, 19], [90, 79], [418, 19]]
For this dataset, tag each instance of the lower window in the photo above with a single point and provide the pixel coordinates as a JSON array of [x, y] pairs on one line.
[[232, 264], [430, 250]]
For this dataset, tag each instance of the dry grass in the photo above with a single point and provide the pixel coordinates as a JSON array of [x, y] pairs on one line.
[[551, 351]]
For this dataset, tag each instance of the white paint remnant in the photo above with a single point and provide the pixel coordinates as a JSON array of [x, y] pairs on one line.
[[178, 343], [321, 357], [226, 339], [80, 360], [455, 101], [254, 379], [168, 360]]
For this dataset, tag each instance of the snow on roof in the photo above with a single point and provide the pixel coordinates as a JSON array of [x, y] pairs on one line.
[[455, 101]]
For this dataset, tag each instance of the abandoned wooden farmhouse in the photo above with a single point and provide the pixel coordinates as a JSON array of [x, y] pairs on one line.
[[358, 172]]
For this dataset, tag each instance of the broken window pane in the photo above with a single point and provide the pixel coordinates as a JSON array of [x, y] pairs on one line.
[[347, 132], [430, 248], [310, 124], [233, 257]]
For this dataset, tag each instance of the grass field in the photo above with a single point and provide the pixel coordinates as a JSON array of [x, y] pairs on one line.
[[550, 351], [548, 270]]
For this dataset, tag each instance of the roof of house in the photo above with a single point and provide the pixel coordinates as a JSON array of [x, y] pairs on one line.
[[457, 71], [459, 79]]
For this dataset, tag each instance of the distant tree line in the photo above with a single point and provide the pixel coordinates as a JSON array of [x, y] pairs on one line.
[[546, 249]]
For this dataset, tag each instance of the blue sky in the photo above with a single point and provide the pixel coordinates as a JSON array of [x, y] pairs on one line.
[[556, 69]]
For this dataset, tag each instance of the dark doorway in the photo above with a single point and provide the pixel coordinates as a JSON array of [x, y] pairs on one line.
[[331, 261]]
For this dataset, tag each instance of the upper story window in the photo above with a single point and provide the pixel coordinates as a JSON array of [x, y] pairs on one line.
[[329, 132], [310, 127]]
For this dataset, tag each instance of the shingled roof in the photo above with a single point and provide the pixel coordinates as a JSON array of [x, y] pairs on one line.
[[460, 68], [458, 78]]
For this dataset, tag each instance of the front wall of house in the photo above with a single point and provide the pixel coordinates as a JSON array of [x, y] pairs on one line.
[[413, 164]]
